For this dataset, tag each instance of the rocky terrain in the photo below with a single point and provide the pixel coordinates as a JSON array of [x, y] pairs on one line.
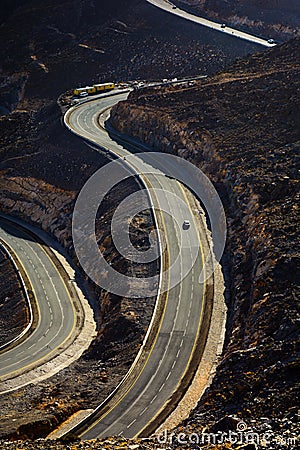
[[43, 168], [275, 19], [82, 42], [241, 127], [41, 188], [47, 48]]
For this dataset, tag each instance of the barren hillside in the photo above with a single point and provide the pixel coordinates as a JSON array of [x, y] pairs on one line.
[[242, 128], [248, 116]]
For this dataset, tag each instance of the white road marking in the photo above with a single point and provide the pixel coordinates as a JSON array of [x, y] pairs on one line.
[[131, 423], [144, 410], [154, 398]]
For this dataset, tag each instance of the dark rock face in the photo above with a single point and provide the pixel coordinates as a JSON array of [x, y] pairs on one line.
[[241, 128]]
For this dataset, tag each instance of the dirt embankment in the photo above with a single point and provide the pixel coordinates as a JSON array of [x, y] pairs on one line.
[[242, 128]]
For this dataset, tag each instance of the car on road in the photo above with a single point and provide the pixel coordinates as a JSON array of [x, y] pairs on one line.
[[174, 7], [271, 41], [223, 25], [186, 225], [83, 94]]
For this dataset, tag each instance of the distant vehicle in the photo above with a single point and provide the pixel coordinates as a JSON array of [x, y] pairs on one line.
[[83, 94], [271, 41], [223, 25], [174, 7], [186, 225], [104, 86], [90, 89], [93, 89], [122, 85]]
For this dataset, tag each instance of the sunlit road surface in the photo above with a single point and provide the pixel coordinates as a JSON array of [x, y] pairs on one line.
[[174, 345], [169, 7]]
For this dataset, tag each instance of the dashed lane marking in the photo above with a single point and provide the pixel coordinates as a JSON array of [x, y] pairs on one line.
[[131, 423]]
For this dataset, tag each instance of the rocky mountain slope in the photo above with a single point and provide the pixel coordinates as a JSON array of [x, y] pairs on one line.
[[241, 127], [46, 48], [49, 47]]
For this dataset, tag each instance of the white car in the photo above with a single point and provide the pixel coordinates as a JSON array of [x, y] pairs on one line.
[[186, 225]]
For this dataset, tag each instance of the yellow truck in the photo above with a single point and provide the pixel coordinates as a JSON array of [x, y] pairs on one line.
[[104, 86], [94, 89], [90, 89], [79, 91]]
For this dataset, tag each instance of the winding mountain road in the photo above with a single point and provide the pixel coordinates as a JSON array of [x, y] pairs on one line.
[[169, 358], [56, 317]]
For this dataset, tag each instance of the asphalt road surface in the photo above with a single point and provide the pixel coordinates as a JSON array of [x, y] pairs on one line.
[[56, 315], [175, 342]]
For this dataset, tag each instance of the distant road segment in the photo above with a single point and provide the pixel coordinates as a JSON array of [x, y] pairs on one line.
[[169, 7]]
